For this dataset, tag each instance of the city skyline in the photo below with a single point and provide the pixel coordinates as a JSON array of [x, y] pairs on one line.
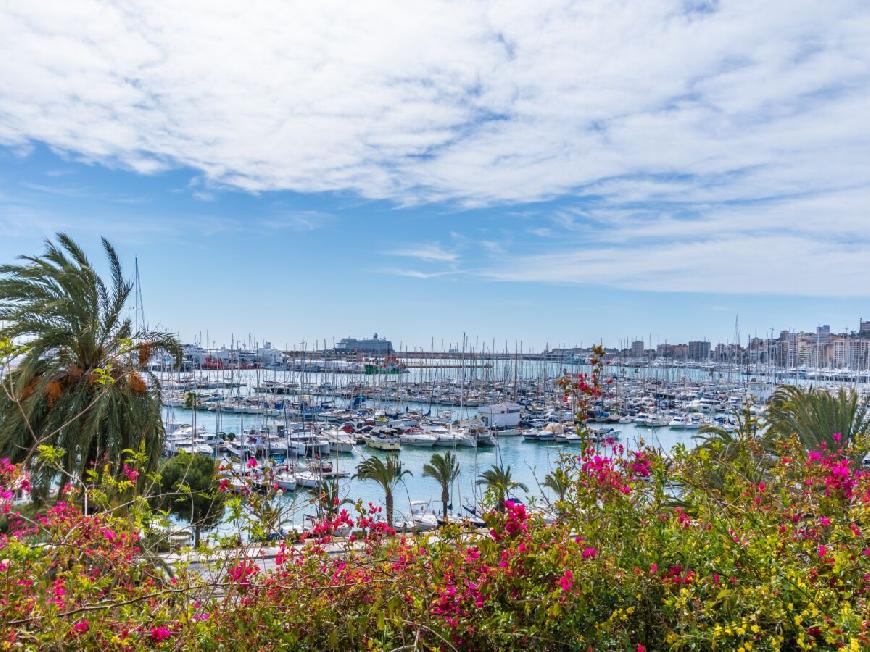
[[646, 170]]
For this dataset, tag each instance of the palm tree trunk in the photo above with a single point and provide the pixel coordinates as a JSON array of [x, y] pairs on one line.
[[445, 499], [389, 501]]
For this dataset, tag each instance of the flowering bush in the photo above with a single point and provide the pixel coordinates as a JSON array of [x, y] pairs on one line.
[[706, 549]]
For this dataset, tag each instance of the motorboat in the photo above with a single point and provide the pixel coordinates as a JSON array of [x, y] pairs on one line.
[[286, 480], [384, 443], [422, 439]]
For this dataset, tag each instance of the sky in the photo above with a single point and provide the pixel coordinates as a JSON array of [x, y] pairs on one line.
[[551, 173]]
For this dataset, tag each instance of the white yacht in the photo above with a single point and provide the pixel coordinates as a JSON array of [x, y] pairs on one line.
[[307, 445], [422, 518], [650, 420], [450, 437], [339, 441], [383, 443], [286, 480], [422, 439], [308, 479]]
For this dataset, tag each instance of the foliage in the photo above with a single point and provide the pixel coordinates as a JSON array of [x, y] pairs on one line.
[[780, 564], [558, 482], [444, 469], [80, 381], [815, 415], [330, 500], [189, 488], [387, 474], [583, 390], [499, 482]]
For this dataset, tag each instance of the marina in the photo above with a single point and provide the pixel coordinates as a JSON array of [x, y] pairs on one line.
[[311, 427]]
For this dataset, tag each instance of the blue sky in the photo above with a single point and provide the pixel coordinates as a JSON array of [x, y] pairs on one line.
[[557, 173]]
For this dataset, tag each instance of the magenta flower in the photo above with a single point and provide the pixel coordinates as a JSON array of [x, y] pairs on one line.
[[566, 581], [590, 553], [160, 633], [130, 473], [252, 462], [81, 627]]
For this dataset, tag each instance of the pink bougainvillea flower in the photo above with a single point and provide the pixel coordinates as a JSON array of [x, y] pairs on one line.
[[252, 462], [81, 627], [130, 473], [590, 553], [160, 634], [567, 580]]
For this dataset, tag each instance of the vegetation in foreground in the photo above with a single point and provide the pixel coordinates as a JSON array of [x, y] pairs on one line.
[[79, 381], [723, 547]]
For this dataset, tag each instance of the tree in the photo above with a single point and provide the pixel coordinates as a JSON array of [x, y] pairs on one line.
[[329, 500], [499, 482], [559, 482], [189, 489], [817, 415], [746, 447], [388, 475], [726, 443], [444, 469], [79, 382]]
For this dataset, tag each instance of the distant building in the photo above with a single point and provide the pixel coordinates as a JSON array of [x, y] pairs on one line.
[[637, 349], [823, 334], [699, 351], [374, 345], [674, 351], [863, 329]]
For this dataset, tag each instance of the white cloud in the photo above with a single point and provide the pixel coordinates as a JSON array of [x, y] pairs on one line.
[[430, 253], [686, 130], [414, 273], [296, 220], [770, 264]]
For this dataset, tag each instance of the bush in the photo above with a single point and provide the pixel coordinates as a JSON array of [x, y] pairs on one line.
[[648, 553]]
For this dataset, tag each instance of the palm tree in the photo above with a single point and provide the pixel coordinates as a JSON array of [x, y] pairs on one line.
[[388, 475], [745, 447], [78, 384], [444, 469], [499, 482], [727, 443], [329, 500], [816, 415], [559, 482]]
